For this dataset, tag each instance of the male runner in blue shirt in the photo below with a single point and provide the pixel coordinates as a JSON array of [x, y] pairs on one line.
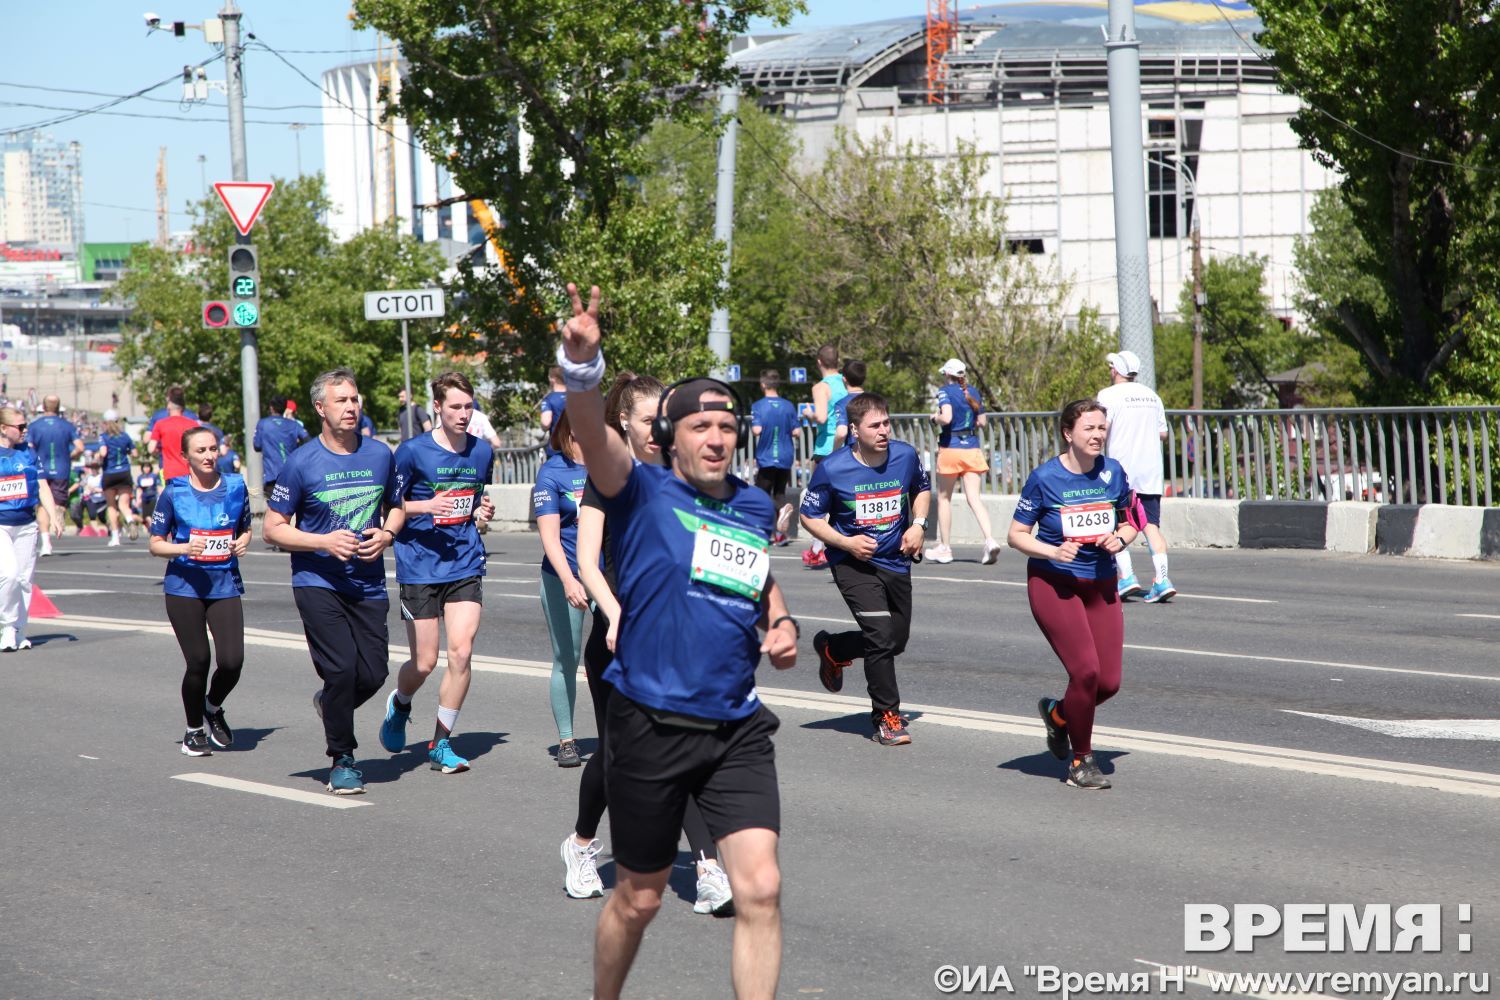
[[774, 421], [55, 442], [868, 504], [691, 546], [336, 488]]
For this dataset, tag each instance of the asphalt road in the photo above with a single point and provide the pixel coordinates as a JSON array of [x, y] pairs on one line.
[[132, 871]]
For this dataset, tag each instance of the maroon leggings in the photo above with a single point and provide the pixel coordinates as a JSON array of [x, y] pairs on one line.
[[1083, 622]]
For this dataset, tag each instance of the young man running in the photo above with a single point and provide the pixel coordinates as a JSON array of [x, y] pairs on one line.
[[868, 504], [960, 414], [55, 442], [774, 422], [440, 564], [823, 414], [335, 488], [692, 550], [166, 436], [1137, 428]]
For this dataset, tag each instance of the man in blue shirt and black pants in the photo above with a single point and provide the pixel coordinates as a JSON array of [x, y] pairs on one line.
[[774, 422]]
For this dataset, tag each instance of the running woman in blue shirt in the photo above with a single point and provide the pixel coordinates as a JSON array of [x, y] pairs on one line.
[[336, 488], [774, 423], [868, 504], [692, 550], [552, 407], [202, 526], [440, 564], [959, 413], [20, 493], [55, 442], [555, 500], [1076, 511], [822, 414], [114, 451]]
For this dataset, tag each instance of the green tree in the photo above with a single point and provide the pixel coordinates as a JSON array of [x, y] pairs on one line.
[[1402, 97], [902, 266], [539, 108], [311, 303]]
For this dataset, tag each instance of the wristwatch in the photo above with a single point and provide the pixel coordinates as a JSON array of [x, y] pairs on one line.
[[786, 618], [920, 522]]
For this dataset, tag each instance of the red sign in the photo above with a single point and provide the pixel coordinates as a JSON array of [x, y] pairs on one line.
[[244, 202]]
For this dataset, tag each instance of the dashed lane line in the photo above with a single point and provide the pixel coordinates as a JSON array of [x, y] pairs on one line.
[[324, 799], [1388, 772]]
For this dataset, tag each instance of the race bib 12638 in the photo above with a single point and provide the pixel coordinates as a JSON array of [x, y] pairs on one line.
[[1087, 522], [733, 559]]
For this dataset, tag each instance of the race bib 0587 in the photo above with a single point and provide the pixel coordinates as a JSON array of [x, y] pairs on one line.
[[733, 559]]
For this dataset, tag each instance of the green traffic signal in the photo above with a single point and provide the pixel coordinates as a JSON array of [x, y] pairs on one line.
[[244, 288], [246, 314]]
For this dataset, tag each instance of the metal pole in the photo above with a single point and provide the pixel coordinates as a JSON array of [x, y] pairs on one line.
[[406, 419], [249, 350], [1132, 268], [1198, 302], [718, 327]]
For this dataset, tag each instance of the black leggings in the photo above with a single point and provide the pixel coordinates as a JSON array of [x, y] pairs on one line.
[[191, 619], [592, 799]]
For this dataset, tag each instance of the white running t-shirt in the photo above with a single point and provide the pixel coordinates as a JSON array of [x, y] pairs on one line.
[[1137, 421]]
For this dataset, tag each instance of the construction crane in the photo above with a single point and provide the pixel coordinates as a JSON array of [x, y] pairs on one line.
[[942, 33], [163, 230]]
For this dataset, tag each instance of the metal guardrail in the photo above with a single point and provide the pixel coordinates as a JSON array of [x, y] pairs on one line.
[[1427, 454]]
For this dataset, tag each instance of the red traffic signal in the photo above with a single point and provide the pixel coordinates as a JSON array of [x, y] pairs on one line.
[[215, 315]]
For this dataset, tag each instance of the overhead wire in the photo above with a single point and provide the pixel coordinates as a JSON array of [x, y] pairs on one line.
[[76, 113]]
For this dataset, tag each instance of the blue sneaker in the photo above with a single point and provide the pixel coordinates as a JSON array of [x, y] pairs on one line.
[[1129, 587], [343, 779], [393, 726], [1160, 591], [444, 759]]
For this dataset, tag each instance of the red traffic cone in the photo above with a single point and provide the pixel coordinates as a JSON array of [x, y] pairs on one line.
[[41, 605]]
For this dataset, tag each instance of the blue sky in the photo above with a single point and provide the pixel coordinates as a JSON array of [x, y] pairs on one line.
[[103, 46]]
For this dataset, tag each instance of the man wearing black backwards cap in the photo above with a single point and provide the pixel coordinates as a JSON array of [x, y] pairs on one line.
[[691, 545]]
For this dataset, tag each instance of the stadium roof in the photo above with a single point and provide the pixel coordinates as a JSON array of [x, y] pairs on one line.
[[852, 54]]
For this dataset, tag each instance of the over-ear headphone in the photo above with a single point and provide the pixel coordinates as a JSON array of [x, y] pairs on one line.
[[663, 430]]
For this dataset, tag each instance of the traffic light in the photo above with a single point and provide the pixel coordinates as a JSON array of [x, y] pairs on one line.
[[244, 286], [215, 315]]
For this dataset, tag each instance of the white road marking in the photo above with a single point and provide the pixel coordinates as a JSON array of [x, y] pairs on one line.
[[1022, 583], [1279, 758], [1311, 663], [87, 757], [1416, 729], [1200, 978], [836, 621], [1493, 617], [76, 593], [326, 799]]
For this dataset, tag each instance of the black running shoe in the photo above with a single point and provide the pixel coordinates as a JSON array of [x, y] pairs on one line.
[[830, 671], [1057, 736], [218, 730], [195, 744], [1086, 774]]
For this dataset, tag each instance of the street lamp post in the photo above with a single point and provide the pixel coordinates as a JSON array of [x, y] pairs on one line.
[[1186, 173]]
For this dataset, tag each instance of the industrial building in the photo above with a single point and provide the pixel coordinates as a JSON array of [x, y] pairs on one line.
[[1023, 84]]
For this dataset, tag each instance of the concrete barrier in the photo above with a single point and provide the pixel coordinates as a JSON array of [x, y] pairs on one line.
[[1395, 527], [512, 507], [1448, 532], [1489, 535], [1283, 524], [1351, 526], [1203, 524]]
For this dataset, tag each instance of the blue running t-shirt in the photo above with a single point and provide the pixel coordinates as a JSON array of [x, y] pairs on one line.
[[117, 449], [326, 491], [963, 431], [692, 570], [18, 486], [276, 438], [51, 439], [859, 499], [441, 549], [553, 403], [1065, 505], [559, 490], [824, 439], [776, 419], [219, 516]]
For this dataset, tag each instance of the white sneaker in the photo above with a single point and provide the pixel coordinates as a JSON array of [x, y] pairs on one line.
[[713, 892], [582, 879], [939, 554], [8, 639], [991, 552], [21, 641], [46, 544], [114, 540]]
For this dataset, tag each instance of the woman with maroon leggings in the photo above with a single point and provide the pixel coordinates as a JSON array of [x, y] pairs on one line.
[[1075, 512]]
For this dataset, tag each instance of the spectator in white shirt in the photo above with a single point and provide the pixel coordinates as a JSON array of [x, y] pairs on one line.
[[1137, 428]]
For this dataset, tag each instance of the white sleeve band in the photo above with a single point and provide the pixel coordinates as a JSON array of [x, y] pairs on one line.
[[580, 377]]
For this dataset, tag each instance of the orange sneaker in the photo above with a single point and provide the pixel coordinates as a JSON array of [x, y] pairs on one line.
[[890, 731], [830, 671]]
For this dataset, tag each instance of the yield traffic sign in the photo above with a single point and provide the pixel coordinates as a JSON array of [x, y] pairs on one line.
[[244, 202]]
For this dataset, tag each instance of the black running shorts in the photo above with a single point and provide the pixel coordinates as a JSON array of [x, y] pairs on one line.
[[654, 766], [426, 600], [773, 480], [1152, 505]]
